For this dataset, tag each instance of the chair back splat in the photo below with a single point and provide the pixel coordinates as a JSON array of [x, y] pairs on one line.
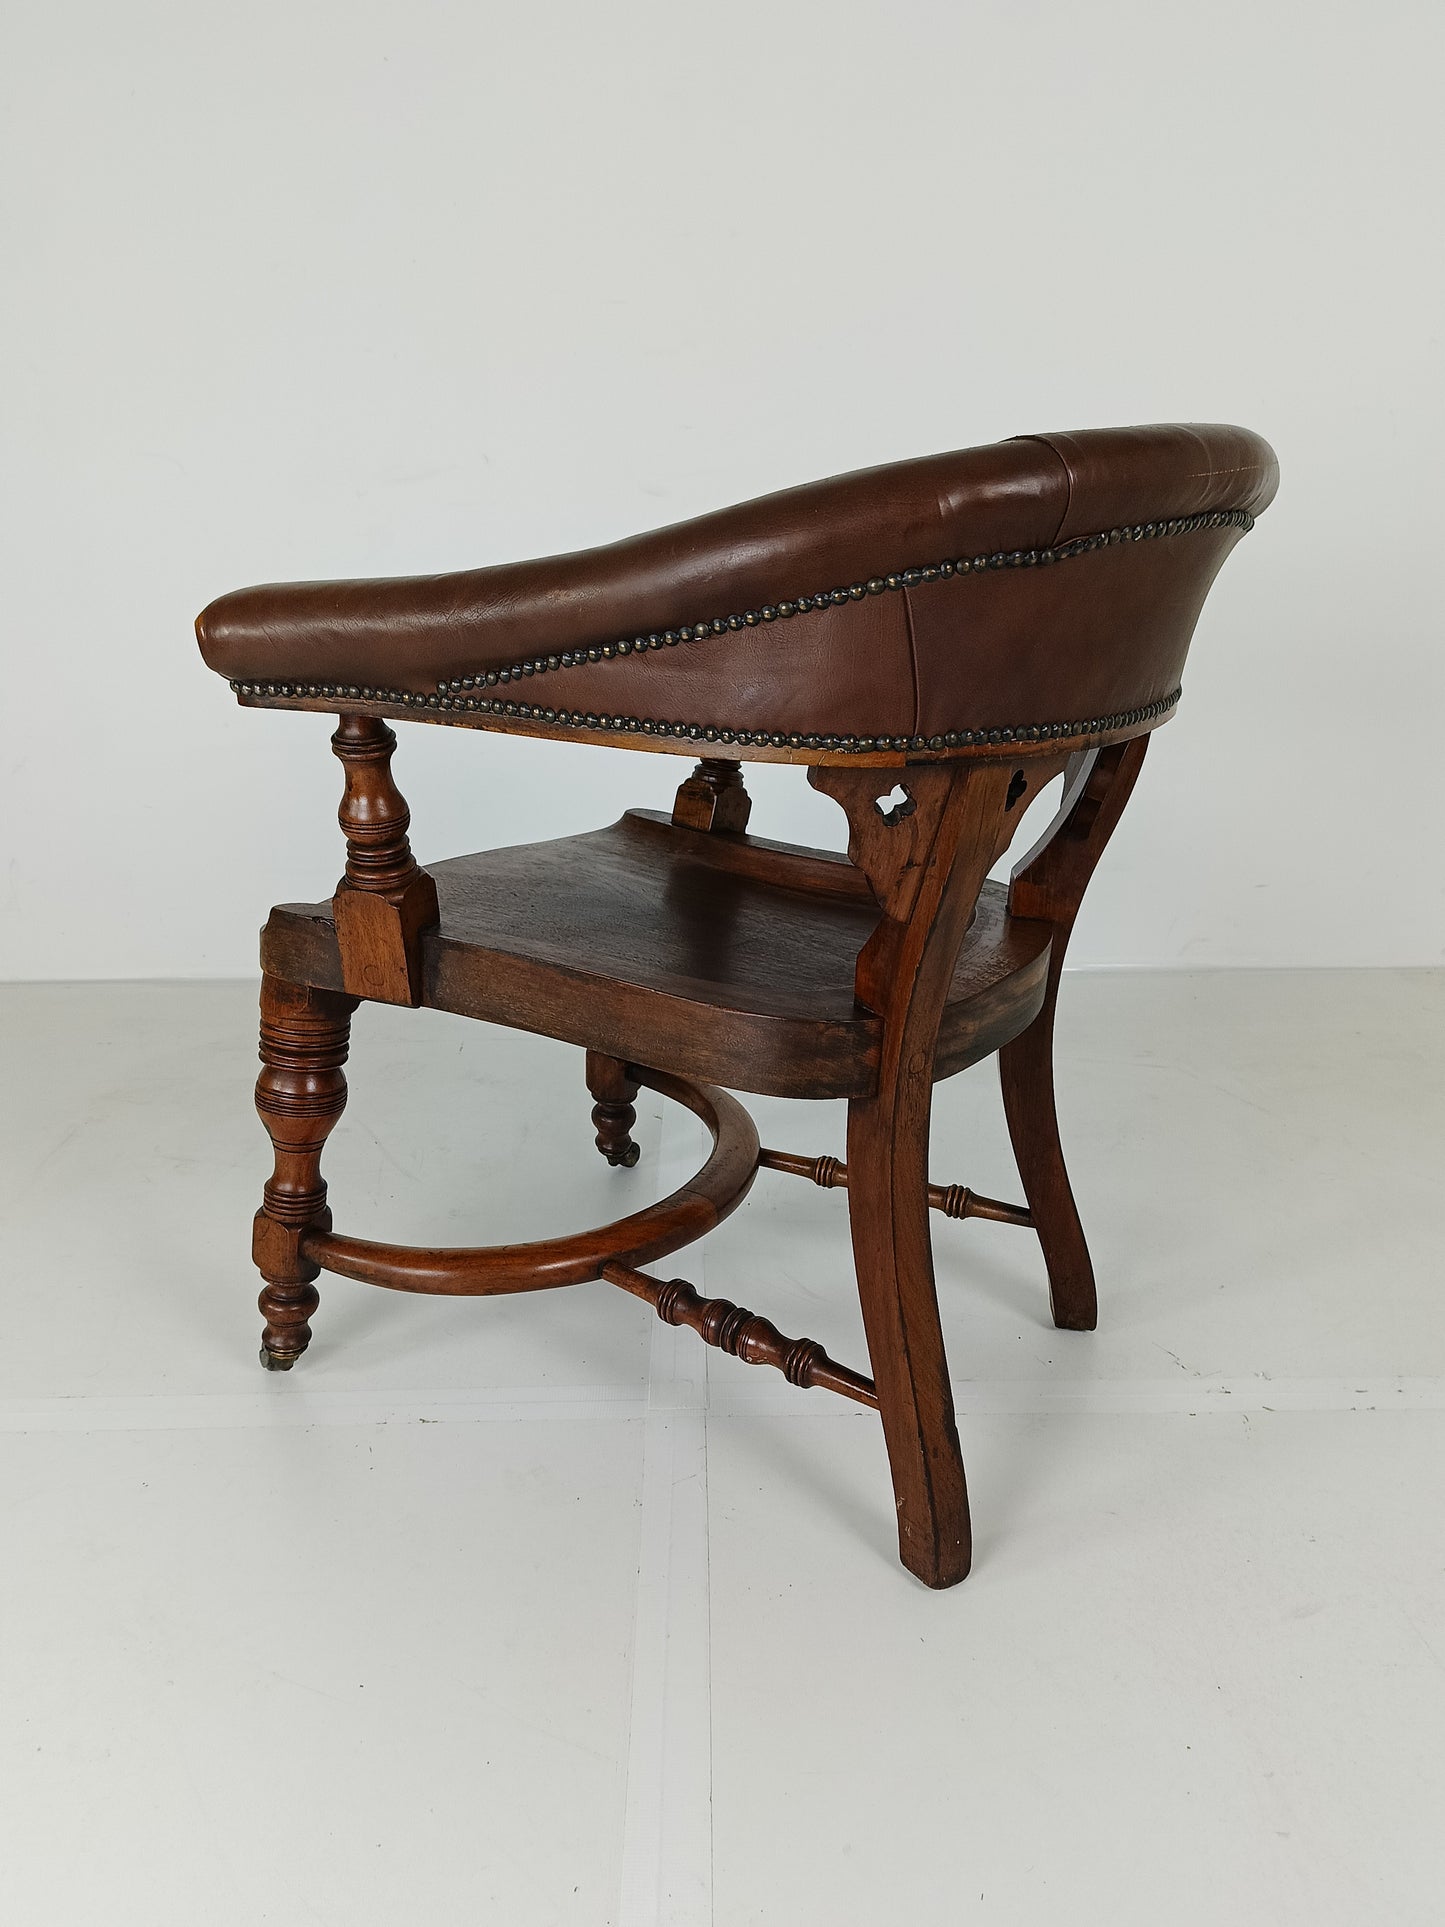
[[935, 640]]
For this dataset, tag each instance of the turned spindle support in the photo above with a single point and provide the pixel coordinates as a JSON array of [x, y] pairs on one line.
[[300, 1094], [744, 1334], [953, 1200], [613, 1111], [713, 798], [386, 902]]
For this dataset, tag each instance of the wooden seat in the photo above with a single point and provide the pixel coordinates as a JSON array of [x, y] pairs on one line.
[[935, 642], [725, 958]]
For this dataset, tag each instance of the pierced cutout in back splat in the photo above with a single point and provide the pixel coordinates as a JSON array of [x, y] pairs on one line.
[[887, 841], [897, 804]]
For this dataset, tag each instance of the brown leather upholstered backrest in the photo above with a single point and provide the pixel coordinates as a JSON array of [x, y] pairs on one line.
[[1046, 587]]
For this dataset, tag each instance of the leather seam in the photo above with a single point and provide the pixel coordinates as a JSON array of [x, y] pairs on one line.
[[913, 662], [1045, 442]]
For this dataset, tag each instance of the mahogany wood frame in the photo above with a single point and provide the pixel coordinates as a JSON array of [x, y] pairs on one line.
[[944, 972]]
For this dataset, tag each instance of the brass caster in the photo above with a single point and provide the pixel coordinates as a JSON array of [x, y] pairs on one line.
[[627, 1158], [278, 1361]]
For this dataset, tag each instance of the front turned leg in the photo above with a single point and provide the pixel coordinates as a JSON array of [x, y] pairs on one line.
[[300, 1094], [613, 1114]]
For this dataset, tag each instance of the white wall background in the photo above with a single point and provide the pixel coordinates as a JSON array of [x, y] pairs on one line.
[[326, 289]]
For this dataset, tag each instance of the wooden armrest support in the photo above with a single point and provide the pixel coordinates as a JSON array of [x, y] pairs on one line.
[[386, 902]]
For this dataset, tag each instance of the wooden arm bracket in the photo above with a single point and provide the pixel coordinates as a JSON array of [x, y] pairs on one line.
[[386, 902], [908, 849], [713, 798], [889, 845], [1049, 880]]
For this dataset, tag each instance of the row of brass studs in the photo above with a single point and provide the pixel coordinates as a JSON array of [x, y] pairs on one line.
[[856, 592], [451, 696], [707, 732]]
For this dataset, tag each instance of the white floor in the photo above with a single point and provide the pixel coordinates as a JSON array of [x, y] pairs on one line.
[[535, 1611]]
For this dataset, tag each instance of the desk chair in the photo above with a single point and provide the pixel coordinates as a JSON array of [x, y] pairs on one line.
[[932, 641]]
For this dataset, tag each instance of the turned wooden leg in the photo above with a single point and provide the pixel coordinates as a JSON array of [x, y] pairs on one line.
[[386, 903], [1026, 1074], [893, 1255], [613, 1114], [300, 1094]]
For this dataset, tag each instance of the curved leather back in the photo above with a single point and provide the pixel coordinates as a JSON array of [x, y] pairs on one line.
[[1047, 586]]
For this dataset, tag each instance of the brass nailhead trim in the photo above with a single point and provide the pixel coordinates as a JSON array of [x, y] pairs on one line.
[[877, 585], [451, 696], [710, 732]]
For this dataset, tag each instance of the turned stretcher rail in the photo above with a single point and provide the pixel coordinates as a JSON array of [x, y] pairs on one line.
[[953, 1200], [733, 1328]]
